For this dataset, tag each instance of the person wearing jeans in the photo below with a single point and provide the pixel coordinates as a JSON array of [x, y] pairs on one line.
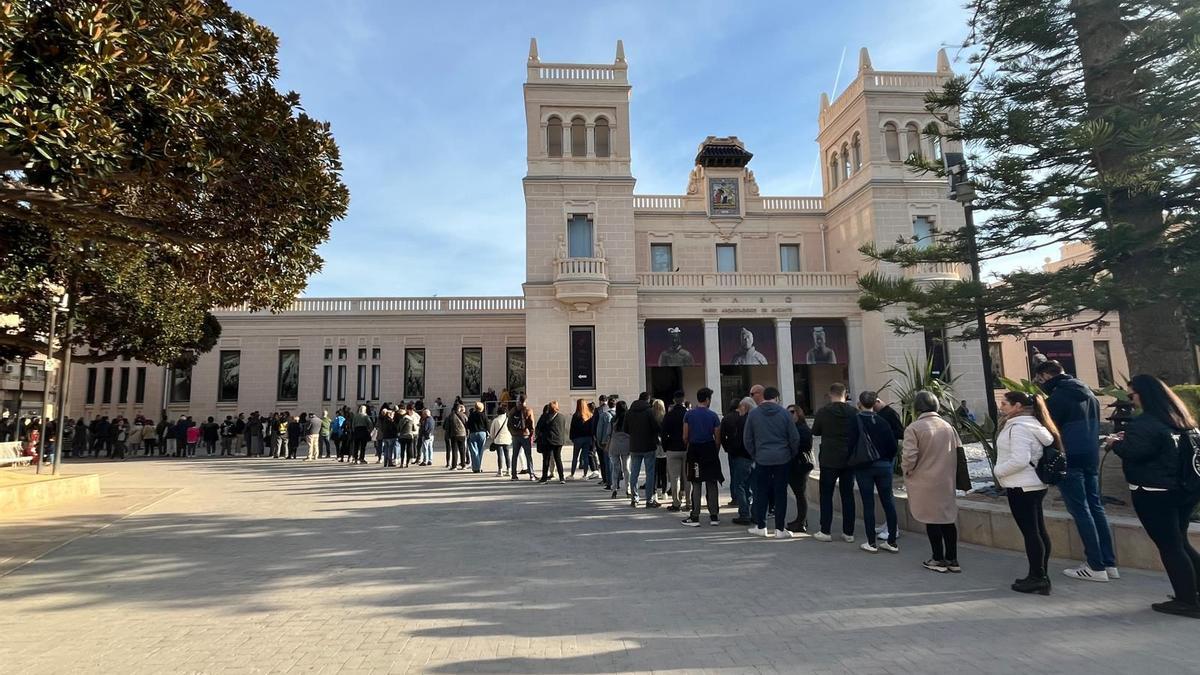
[[771, 440], [800, 468], [477, 426], [733, 427], [876, 475], [643, 428], [832, 424]]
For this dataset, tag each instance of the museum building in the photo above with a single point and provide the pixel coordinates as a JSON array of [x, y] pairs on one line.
[[718, 285]]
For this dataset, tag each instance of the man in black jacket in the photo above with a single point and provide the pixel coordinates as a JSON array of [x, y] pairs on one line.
[[643, 430], [832, 424], [672, 440], [554, 428]]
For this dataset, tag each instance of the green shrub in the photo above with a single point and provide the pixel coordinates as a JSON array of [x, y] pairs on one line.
[[1190, 393]]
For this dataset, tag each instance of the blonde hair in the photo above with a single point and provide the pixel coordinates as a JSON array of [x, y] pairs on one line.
[[660, 409], [479, 405], [581, 409]]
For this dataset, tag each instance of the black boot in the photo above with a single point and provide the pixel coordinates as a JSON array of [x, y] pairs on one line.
[[1039, 585]]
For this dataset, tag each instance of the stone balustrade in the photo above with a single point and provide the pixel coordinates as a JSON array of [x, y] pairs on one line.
[[801, 281], [942, 271], [580, 268], [577, 72], [435, 305]]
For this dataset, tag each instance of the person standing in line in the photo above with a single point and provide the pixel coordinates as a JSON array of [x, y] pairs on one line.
[[277, 430], [326, 436], [406, 434], [239, 434], [477, 427], [1076, 412], [79, 440], [254, 433], [676, 449], [581, 438], [211, 432], [360, 429], [877, 475], [617, 448], [387, 426], [832, 424], [601, 433], [554, 431], [1158, 451], [801, 467], [447, 434], [659, 408], [520, 427], [643, 429], [771, 440], [193, 436], [499, 439], [733, 428], [337, 433], [425, 438], [295, 431], [1026, 429], [702, 438], [413, 411], [133, 437], [313, 436], [458, 425], [227, 436], [930, 463]]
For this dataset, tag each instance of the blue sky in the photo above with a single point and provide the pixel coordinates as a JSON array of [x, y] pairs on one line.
[[425, 102]]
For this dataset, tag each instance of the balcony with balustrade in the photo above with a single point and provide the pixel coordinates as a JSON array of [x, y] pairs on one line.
[[581, 282], [937, 272], [749, 281]]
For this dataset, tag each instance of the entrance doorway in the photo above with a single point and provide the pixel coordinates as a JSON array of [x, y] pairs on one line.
[[812, 384], [737, 380], [664, 381]]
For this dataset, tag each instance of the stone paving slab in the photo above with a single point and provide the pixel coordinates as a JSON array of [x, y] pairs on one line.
[[262, 566]]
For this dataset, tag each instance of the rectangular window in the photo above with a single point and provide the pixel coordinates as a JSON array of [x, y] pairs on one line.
[[726, 257], [139, 387], [375, 382], [996, 356], [472, 372], [123, 387], [341, 383], [180, 380], [376, 353], [327, 384], [361, 383], [579, 237], [583, 357], [935, 349], [329, 353], [1104, 367], [789, 257], [660, 258], [229, 376], [362, 353], [288, 383], [922, 232], [515, 371], [90, 396], [414, 373], [108, 382], [341, 354]]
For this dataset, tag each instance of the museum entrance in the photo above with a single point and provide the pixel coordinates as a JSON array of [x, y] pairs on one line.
[[737, 380], [812, 384], [663, 381]]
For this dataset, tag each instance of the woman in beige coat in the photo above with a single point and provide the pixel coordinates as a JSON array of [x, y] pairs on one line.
[[929, 461]]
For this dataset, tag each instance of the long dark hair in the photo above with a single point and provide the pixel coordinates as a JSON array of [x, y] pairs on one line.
[[1037, 405], [1160, 402], [619, 416]]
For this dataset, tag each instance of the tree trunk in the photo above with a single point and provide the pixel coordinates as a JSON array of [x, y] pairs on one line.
[[1153, 328]]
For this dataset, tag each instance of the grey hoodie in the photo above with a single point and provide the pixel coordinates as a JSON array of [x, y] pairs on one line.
[[771, 437]]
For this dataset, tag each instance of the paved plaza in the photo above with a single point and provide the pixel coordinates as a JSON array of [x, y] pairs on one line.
[[242, 566]]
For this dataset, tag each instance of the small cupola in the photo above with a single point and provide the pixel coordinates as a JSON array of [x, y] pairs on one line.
[[722, 152]]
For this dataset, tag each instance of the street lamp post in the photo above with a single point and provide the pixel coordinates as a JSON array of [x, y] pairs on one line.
[[43, 436], [64, 388]]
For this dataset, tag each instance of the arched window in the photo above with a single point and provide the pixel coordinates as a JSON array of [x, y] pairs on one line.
[[891, 142], [833, 171], [856, 150], [913, 137], [602, 137], [936, 144], [578, 137], [554, 137], [845, 161]]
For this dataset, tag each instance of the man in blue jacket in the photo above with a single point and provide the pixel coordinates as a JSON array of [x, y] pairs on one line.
[[1076, 413], [771, 440]]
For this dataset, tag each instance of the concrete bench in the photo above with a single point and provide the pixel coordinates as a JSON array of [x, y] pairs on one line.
[[12, 454]]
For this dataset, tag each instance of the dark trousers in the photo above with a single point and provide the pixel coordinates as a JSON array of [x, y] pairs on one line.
[[844, 478], [552, 453], [518, 444], [771, 483], [872, 477], [798, 481], [602, 457], [1026, 509], [458, 456], [360, 448], [1165, 515], [406, 451], [943, 541], [710, 498], [660, 474]]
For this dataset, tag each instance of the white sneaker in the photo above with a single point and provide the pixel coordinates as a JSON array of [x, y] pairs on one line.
[[821, 536], [848, 538], [1086, 573], [757, 531], [783, 534], [888, 547], [593, 475], [866, 546], [1113, 573]]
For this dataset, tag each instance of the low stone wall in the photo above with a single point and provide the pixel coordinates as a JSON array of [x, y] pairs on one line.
[[991, 524], [20, 490]]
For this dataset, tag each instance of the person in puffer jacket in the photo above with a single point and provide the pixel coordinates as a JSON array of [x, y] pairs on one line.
[[1026, 430]]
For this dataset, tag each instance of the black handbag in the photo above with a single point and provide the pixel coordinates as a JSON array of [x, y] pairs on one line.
[[864, 451]]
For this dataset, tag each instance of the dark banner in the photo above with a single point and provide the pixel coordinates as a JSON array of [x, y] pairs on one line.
[[583, 357], [747, 342], [674, 343], [1062, 351], [819, 341]]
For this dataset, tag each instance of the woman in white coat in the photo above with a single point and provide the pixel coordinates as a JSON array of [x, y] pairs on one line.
[[1026, 430], [500, 439]]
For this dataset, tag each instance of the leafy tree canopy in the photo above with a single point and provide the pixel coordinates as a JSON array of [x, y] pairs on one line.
[[151, 167], [1081, 121]]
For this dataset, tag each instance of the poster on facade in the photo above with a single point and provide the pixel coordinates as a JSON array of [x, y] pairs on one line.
[[1062, 351], [514, 369], [583, 357], [181, 385], [674, 343], [723, 197], [414, 373], [472, 372], [820, 342], [289, 375], [747, 342], [229, 377]]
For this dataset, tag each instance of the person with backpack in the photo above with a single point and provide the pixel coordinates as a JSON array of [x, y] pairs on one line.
[[798, 472], [520, 427], [553, 428], [360, 432], [876, 475], [832, 424], [1160, 451], [1026, 429], [1076, 412]]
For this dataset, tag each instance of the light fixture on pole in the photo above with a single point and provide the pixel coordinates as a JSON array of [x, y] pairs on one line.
[[56, 293]]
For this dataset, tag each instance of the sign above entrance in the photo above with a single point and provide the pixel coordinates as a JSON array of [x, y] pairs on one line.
[[747, 342], [819, 341], [674, 343]]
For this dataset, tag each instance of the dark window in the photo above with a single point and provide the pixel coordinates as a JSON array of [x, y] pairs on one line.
[[361, 384], [139, 388], [726, 257], [891, 142], [660, 258], [108, 382], [123, 387], [414, 373], [579, 237], [375, 382], [341, 383], [515, 371], [935, 349], [472, 371], [578, 137], [375, 353], [602, 138], [180, 380], [362, 353], [1104, 367], [913, 136], [327, 384], [288, 375], [341, 354], [789, 257], [583, 357], [996, 356], [90, 396], [554, 134], [329, 353], [229, 376]]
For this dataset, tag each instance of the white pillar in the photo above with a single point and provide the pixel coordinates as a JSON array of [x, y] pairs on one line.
[[857, 355], [641, 364], [786, 376], [712, 362], [566, 131]]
